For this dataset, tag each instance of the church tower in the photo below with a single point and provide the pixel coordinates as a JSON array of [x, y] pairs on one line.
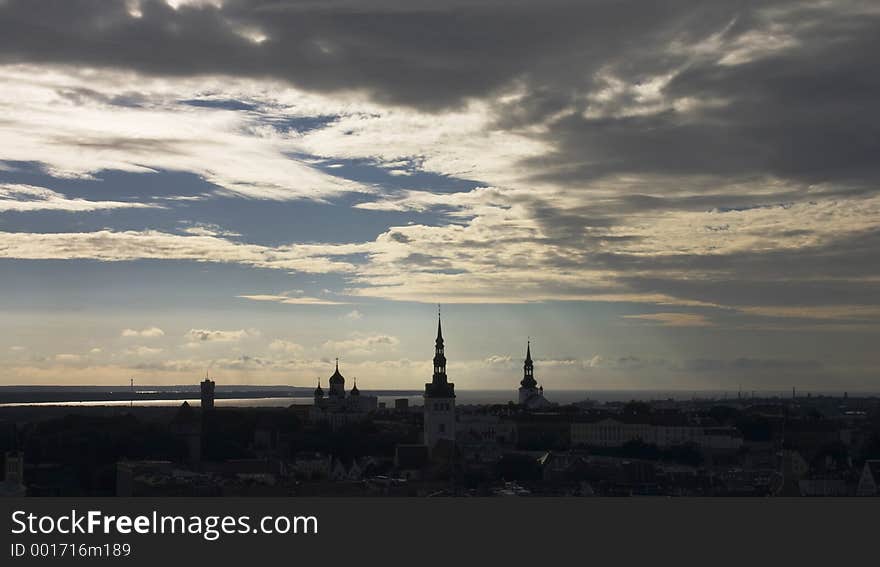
[[531, 396], [337, 384], [319, 394], [528, 386], [439, 398]]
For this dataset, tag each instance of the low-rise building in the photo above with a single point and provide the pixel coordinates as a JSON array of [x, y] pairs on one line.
[[610, 432]]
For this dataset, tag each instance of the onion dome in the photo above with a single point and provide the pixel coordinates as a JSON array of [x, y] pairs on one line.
[[337, 378], [354, 389], [319, 392]]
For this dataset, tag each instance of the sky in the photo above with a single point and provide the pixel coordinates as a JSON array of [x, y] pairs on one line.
[[659, 195]]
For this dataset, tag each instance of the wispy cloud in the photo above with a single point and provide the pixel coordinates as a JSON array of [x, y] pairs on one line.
[[673, 319], [114, 246], [21, 198], [293, 300]]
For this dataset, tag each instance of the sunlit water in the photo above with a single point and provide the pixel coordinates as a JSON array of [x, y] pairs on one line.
[[463, 397]]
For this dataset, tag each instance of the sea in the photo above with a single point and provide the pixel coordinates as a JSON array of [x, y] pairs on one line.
[[463, 397]]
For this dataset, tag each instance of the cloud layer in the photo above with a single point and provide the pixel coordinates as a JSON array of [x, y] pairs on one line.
[[709, 166]]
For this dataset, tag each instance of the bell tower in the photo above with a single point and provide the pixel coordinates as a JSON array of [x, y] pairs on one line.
[[439, 398], [528, 386]]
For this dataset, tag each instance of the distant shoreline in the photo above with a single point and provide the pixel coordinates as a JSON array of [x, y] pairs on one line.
[[69, 395]]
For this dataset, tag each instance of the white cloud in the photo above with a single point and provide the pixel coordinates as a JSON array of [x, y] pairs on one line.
[[18, 197], [202, 229], [112, 246], [52, 119], [354, 315], [494, 250], [208, 335], [148, 333], [461, 144], [293, 300]]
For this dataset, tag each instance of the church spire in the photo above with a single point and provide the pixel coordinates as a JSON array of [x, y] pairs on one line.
[[439, 354], [439, 385], [528, 380], [439, 329]]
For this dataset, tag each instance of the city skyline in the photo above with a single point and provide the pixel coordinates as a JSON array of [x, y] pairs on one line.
[[657, 197]]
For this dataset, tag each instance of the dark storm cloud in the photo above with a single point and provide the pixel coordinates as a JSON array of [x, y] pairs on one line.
[[806, 111], [424, 54]]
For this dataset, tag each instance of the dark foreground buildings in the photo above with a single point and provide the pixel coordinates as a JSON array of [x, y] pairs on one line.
[[346, 443]]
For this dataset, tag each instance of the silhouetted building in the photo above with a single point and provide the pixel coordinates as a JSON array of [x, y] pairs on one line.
[[401, 404], [484, 430], [207, 388], [531, 395], [187, 426], [337, 384], [439, 408], [611, 432], [337, 408]]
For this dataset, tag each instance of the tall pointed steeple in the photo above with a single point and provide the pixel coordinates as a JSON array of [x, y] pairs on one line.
[[439, 408], [528, 380], [439, 386], [439, 354], [439, 341]]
